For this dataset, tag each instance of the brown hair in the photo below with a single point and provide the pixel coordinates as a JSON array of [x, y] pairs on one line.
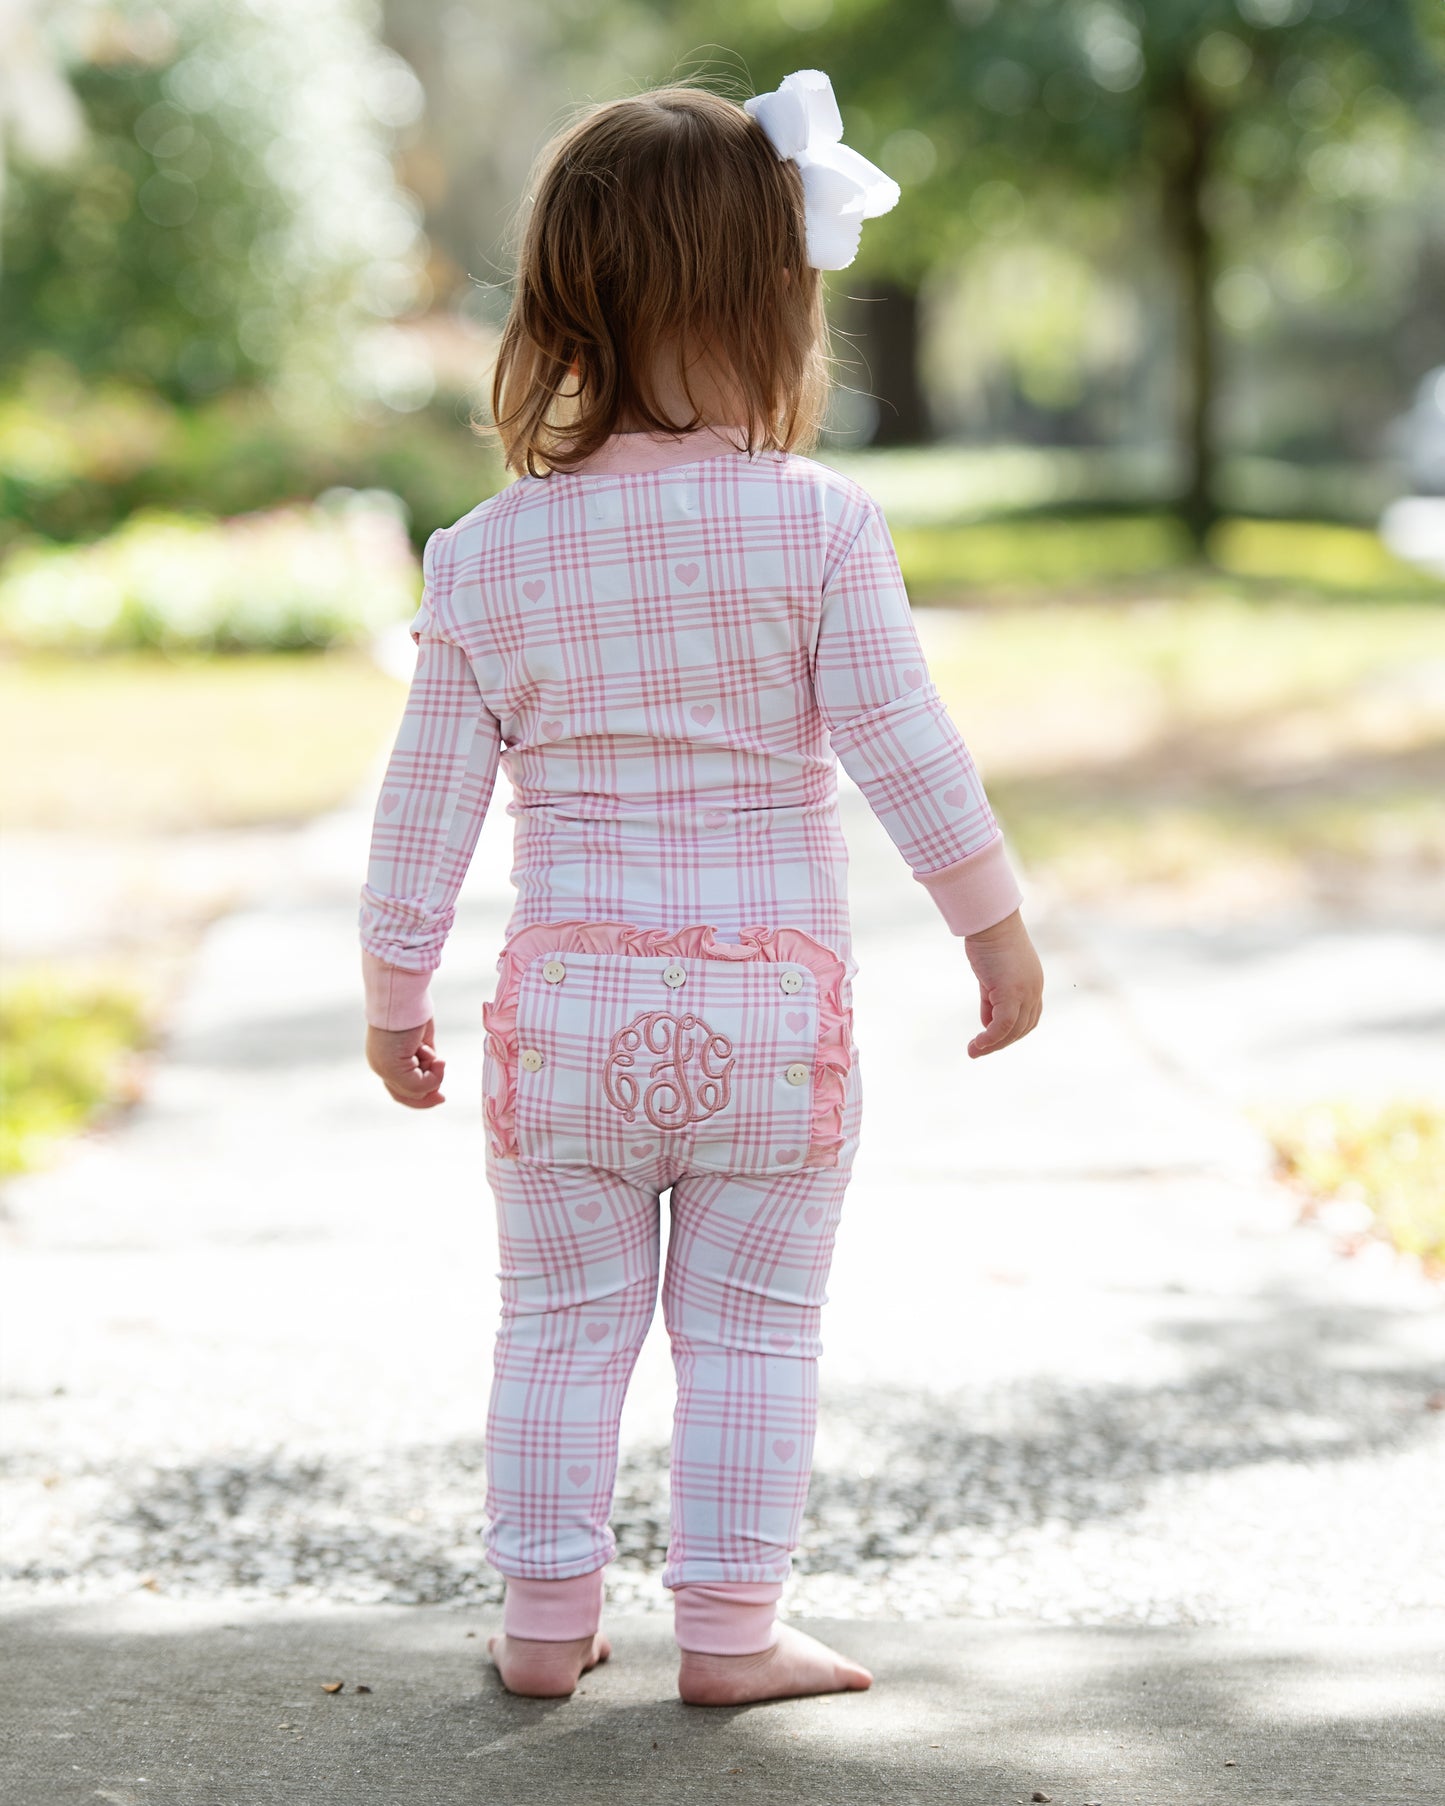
[[664, 232]]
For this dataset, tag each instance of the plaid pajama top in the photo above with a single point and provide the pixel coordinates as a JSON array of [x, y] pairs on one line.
[[666, 649]]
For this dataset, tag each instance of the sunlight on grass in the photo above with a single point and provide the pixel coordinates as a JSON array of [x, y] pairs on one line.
[[943, 560], [1313, 552], [1209, 660], [136, 741], [1386, 1160], [947, 484], [1027, 554], [1224, 846], [64, 1045], [942, 485], [1212, 740]]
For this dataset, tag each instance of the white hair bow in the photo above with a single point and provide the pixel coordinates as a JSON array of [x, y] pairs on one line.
[[840, 188]]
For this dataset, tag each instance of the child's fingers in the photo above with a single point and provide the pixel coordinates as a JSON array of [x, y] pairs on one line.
[[1001, 1016], [1005, 1021], [417, 1082], [406, 1062], [413, 1100]]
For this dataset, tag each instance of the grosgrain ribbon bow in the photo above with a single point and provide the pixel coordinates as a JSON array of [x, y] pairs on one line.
[[840, 188]]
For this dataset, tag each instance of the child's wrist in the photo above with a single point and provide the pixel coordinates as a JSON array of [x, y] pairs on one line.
[[1010, 925]]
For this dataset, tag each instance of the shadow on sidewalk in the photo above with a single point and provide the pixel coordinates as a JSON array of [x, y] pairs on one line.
[[964, 1501]]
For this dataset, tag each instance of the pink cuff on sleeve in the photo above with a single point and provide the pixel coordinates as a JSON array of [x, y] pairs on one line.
[[395, 997], [975, 892]]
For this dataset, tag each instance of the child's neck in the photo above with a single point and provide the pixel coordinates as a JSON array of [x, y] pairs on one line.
[[714, 399], [723, 429]]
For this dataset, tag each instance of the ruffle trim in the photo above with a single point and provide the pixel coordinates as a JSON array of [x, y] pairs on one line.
[[784, 946]]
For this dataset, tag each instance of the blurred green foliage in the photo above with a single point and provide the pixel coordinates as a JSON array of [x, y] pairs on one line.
[[229, 214], [1131, 196], [77, 458], [199, 291], [321, 574], [983, 109], [63, 1047]]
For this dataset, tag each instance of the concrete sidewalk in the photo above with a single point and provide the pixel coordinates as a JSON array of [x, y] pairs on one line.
[[157, 1701]]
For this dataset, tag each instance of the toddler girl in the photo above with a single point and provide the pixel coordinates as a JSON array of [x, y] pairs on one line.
[[668, 629]]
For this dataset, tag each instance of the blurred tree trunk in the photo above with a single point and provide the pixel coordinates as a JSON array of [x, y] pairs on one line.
[[1192, 244], [888, 319]]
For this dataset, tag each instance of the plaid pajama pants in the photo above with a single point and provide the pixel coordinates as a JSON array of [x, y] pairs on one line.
[[726, 1076]]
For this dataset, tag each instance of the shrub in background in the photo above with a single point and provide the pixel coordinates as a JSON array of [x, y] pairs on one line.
[[328, 573], [76, 459]]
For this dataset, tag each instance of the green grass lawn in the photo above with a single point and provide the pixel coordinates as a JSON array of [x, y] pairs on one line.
[[1210, 742], [1015, 559], [143, 741], [67, 1043]]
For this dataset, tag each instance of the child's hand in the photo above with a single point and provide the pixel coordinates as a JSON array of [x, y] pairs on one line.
[[1010, 983], [407, 1064]]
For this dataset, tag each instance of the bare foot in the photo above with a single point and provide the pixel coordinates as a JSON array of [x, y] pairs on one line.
[[540, 1670], [796, 1664]]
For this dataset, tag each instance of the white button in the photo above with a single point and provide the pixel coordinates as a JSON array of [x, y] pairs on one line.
[[797, 1074], [674, 976], [791, 981], [554, 971], [532, 1059]]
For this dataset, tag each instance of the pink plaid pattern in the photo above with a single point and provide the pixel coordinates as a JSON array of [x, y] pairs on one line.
[[742, 1296], [668, 651], [666, 661]]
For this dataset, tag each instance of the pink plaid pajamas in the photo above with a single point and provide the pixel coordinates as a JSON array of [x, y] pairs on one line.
[[668, 650]]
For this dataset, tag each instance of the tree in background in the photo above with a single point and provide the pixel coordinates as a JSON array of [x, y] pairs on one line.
[[1207, 119], [228, 213], [500, 79]]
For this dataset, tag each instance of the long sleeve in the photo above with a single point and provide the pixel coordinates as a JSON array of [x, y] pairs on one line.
[[895, 738], [433, 801]]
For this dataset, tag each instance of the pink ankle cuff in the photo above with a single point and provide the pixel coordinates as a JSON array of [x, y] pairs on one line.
[[727, 1617], [553, 1611]]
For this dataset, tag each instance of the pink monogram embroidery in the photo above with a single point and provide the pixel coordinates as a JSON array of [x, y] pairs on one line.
[[691, 1079], [694, 1082]]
